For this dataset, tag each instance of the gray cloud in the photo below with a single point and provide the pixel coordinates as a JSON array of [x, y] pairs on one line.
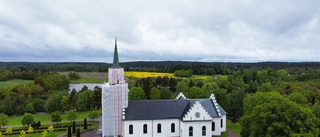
[[212, 30]]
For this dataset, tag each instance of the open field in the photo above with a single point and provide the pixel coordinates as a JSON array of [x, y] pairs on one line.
[[16, 120], [6, 84], [95, 75]]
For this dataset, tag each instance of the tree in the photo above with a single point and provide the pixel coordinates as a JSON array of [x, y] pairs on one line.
[[94, 114], [27, 119], [8, 103], [78, 132], [298, 98], [30, 130], [53, 104], [235, 103], [69, 132], [86, 100], [3, 119], [65, 105], [98, 96], [221, 97], [9, 130], [56, 117], [154, 93], [195, 92], [85, 126], [73, 76], [271, 114], [50, 128], [136, 93], [71, 116], [44, 133], [165, 93], [182, 87], [74, 127], [38, 104], [29, 108], [22, 134]]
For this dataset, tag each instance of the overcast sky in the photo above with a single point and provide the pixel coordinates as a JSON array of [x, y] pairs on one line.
[[149, 30]]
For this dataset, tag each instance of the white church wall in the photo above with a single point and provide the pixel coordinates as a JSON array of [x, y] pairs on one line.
[[218, 127], [197, 128], [151, 128]]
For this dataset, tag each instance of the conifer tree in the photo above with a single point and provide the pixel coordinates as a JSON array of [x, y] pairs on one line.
[[74, 127], [78, 132], [69, 132], [85, 124]]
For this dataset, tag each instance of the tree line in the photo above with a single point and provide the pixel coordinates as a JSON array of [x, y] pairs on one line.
[[266, 102]]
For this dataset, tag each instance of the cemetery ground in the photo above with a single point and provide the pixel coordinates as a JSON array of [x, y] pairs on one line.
[[59, 128]]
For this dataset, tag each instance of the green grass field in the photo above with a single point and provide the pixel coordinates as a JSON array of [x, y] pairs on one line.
[[236, 128], [6, 84], [16, 120], [88, 80]]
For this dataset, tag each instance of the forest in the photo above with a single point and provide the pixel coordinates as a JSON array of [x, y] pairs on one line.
[[267, 99]]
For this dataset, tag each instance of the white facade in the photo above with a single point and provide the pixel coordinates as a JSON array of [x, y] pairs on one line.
[[181, 128], [196, 122]]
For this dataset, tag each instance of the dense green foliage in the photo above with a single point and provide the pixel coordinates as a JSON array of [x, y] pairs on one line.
[[136, 93], [183, 73], [56, 117], [27, 119], [271, 114]]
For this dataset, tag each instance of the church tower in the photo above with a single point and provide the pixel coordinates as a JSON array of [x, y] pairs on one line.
[[114, 99]]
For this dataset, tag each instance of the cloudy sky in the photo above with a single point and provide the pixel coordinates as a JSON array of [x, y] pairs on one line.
[[184, 30]]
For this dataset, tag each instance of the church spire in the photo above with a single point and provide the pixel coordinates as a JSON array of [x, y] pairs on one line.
[[115, 56]]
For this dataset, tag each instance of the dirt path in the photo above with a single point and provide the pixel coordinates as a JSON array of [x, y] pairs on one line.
[[231, 133]]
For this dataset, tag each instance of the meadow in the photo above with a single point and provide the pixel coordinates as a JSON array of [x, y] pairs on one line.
[[6, 84]]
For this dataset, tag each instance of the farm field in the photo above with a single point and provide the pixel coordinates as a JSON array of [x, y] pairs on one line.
[[6, 84], [16, 120], [135, 74]]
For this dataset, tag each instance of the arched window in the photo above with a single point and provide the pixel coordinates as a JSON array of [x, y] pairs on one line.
[[145, 129], [159, 128], [130, 129], [203, 130], [190, 131], [173, 128], [221, 123], [213, 126]]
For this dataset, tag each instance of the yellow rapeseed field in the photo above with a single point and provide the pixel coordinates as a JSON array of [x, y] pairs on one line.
[[146, 74]]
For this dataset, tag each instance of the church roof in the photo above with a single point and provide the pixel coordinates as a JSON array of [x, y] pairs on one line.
[[155, 109], [209, 106], [166, 109]]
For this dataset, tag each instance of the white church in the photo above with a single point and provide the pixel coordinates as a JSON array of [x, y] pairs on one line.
[[180, 117]]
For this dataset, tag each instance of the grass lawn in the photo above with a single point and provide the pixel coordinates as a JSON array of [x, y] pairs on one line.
[[6, 84], [225, 134], [236, 128], [16, 120]]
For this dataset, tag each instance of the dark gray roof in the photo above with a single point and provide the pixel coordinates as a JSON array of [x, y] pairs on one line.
[[166, 109], [155, 109], [209, 106]]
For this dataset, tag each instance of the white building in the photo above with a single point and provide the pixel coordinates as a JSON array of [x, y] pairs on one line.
[[180, 117]]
